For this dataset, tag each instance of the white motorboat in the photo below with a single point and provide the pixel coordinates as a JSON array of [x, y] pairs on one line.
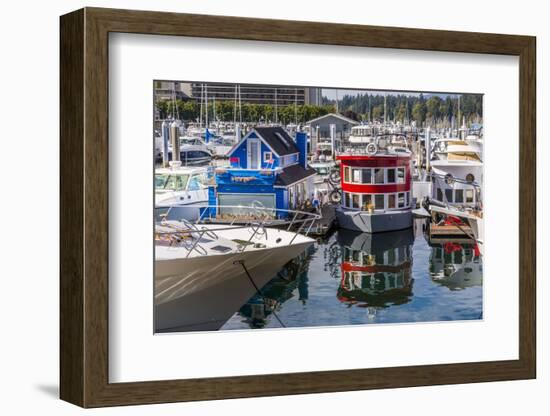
[[177, 188], [457, 171], [204, 273]]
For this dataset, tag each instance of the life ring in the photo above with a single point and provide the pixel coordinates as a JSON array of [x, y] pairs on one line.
[[372, 148], [335, 196]]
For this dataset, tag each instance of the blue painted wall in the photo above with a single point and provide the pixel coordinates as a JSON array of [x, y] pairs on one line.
[[301, 142], [241, 153]]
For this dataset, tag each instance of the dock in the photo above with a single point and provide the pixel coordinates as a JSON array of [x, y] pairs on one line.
[[323, 225], [437, 233]]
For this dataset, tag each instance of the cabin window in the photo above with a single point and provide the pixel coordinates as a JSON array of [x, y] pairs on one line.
[[268, 157], [401, 199], [171, 182], [469, 195], [367, 201], [367, 176], [391, 201], [470, 178], [346, 173], [439, 194], [449, 195], [355, 200], [196, 183], [379, 201], [346, 200], [356, 175], [408, 195], [400, 175], [391, 175], [459, 195], [378, 175]]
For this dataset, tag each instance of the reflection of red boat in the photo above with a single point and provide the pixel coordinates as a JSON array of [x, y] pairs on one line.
[[376, 268]]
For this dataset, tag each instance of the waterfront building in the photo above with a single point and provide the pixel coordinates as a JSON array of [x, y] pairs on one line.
[[280, 95], [320, 126], [267, 169]]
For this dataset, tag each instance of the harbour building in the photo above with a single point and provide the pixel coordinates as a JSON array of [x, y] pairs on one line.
[[268, 169]]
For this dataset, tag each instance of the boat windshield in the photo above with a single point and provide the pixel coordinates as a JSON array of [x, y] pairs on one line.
[[322, 171], [170, 182]]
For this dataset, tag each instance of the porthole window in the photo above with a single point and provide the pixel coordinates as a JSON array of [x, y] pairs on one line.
[[470, 178]]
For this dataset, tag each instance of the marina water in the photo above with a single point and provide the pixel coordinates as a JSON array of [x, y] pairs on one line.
[[403, 279]]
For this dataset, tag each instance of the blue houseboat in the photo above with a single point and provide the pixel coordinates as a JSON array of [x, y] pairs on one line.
[[267, 169]]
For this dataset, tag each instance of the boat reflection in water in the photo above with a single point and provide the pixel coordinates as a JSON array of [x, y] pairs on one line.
[[290, 282], [456, 265], [376, 269]]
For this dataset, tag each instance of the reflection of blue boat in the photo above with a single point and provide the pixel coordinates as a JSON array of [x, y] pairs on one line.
[[376, 268], [456, 265], [280, 289]]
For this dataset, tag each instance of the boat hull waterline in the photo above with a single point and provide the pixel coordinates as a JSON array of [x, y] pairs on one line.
[[374, 223]]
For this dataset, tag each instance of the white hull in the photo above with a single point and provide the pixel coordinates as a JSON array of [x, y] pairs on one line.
[[202, 293]]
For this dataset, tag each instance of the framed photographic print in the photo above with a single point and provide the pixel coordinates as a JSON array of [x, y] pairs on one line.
[[256, 207]]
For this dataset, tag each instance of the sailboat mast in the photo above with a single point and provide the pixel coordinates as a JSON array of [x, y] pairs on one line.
[[276, 114]]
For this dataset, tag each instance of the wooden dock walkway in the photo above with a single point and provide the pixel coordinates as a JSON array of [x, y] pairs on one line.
[[446, 232]]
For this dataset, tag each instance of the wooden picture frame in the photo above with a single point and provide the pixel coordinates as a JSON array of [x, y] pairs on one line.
[[84, 207]]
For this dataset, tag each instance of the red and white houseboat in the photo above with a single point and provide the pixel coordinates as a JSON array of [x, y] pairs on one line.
[[376, 187]]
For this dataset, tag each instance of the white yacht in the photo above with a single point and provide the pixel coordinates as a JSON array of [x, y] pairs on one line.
[[457, 171], [178, 187], [205, 272]]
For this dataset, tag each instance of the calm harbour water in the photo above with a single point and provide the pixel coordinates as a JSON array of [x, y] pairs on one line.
[[352, 278]]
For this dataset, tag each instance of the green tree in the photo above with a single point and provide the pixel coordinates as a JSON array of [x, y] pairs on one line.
[[419, 112]]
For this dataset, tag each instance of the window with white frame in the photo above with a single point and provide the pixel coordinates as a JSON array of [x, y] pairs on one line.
[[268, 157], [346, 200], [449, 195], [469, 195], [378, 175], [355, 199], [356, 175], [391, 175], [379, 201], [367, 202], [400, 175], [347, 170], [401, 199], [367, 176], [459, 195], [391, 201]]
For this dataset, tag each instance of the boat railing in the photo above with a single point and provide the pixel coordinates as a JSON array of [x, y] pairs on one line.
[[256, 225]]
